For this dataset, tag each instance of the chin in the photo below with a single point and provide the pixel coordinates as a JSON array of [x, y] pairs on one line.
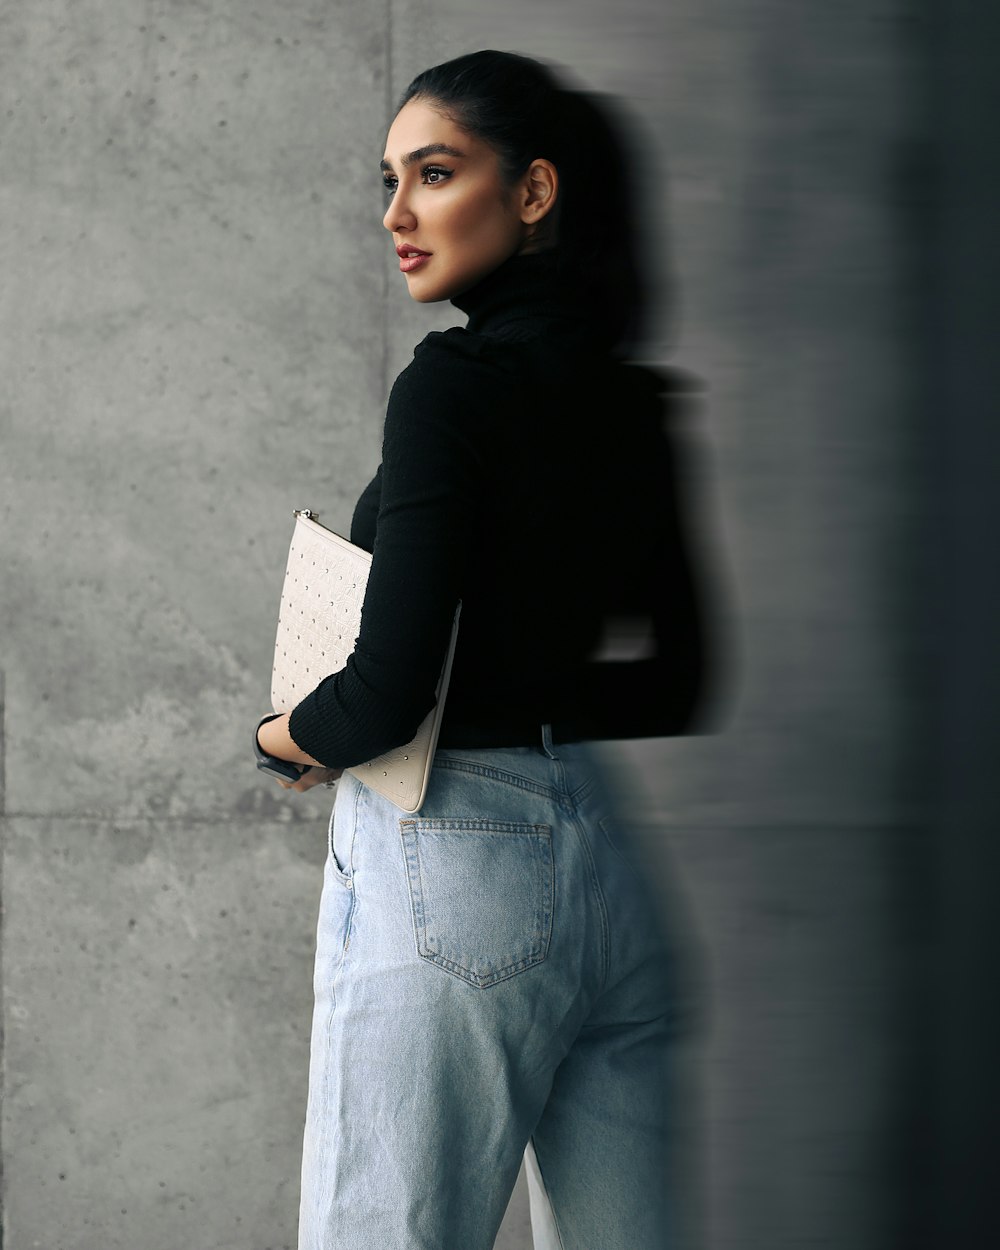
[[429, 297], [428, 293]]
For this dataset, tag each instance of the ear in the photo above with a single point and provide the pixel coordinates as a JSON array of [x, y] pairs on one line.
[[539, 191]]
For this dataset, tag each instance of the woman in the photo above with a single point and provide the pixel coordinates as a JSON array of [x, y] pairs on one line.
[[491, 977]]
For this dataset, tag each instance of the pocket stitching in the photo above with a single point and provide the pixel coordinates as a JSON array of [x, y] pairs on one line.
[[543, 871]]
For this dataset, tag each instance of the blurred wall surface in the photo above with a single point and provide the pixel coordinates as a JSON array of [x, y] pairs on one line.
[[200, 320]]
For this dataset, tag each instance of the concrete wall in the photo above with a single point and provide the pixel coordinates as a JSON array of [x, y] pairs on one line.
[[200, 322]]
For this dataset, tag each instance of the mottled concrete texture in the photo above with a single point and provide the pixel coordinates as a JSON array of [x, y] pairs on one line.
[[157, 1023], [200, 320]]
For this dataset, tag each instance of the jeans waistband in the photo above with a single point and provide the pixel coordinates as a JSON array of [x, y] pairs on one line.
[[529, 734]]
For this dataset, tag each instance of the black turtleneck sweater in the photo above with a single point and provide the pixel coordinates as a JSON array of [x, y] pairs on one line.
[[526, 473]]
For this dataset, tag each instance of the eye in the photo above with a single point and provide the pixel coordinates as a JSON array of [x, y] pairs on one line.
[[433, 174], [390, 182]]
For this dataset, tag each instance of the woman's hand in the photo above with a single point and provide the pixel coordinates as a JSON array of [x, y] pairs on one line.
[[314, 777]]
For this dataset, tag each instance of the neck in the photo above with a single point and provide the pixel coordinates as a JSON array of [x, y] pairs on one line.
[[522, 298]]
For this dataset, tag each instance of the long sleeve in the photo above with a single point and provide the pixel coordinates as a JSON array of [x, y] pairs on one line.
[[431, 494]]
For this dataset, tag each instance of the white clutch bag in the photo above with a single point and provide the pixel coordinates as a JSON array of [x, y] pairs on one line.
[[318, 624]]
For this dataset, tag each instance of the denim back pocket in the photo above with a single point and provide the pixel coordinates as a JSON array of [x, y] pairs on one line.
[[481, 895]]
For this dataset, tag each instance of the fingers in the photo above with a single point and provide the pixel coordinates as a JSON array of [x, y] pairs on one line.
[[304, 785], [300, 787], [313, 777], [317, 777]]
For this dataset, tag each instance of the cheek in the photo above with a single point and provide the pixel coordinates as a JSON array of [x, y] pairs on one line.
[[481, 217]]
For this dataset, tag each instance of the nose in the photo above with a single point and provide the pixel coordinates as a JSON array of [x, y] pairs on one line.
[[398, 216]]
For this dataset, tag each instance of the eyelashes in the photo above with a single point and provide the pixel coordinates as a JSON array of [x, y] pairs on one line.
[[430, 176]]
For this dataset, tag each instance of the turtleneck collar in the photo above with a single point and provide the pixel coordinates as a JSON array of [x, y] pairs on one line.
[[521, 299]]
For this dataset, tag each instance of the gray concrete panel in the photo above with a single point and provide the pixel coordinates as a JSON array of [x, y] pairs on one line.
[[157, 1000], [796, 955], [188, 360]]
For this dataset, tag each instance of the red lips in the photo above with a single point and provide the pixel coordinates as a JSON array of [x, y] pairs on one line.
[[411, 257]]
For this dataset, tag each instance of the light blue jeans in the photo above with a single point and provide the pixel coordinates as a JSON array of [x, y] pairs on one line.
[[492, 981]]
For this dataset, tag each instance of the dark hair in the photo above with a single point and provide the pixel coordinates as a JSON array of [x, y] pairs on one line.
[[520, 108]]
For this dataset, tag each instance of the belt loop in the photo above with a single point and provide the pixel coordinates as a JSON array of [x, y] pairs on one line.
[[547, 742]]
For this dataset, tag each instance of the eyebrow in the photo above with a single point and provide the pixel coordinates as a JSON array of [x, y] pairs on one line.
[[431, 149]]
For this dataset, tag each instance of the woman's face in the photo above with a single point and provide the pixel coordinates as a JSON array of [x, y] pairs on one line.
[[449, 208]]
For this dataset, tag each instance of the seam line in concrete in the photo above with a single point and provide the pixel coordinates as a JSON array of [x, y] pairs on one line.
[[3, 744], [3, 934]]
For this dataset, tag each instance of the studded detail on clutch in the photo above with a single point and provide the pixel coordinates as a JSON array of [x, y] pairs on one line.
[[319, 619]]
